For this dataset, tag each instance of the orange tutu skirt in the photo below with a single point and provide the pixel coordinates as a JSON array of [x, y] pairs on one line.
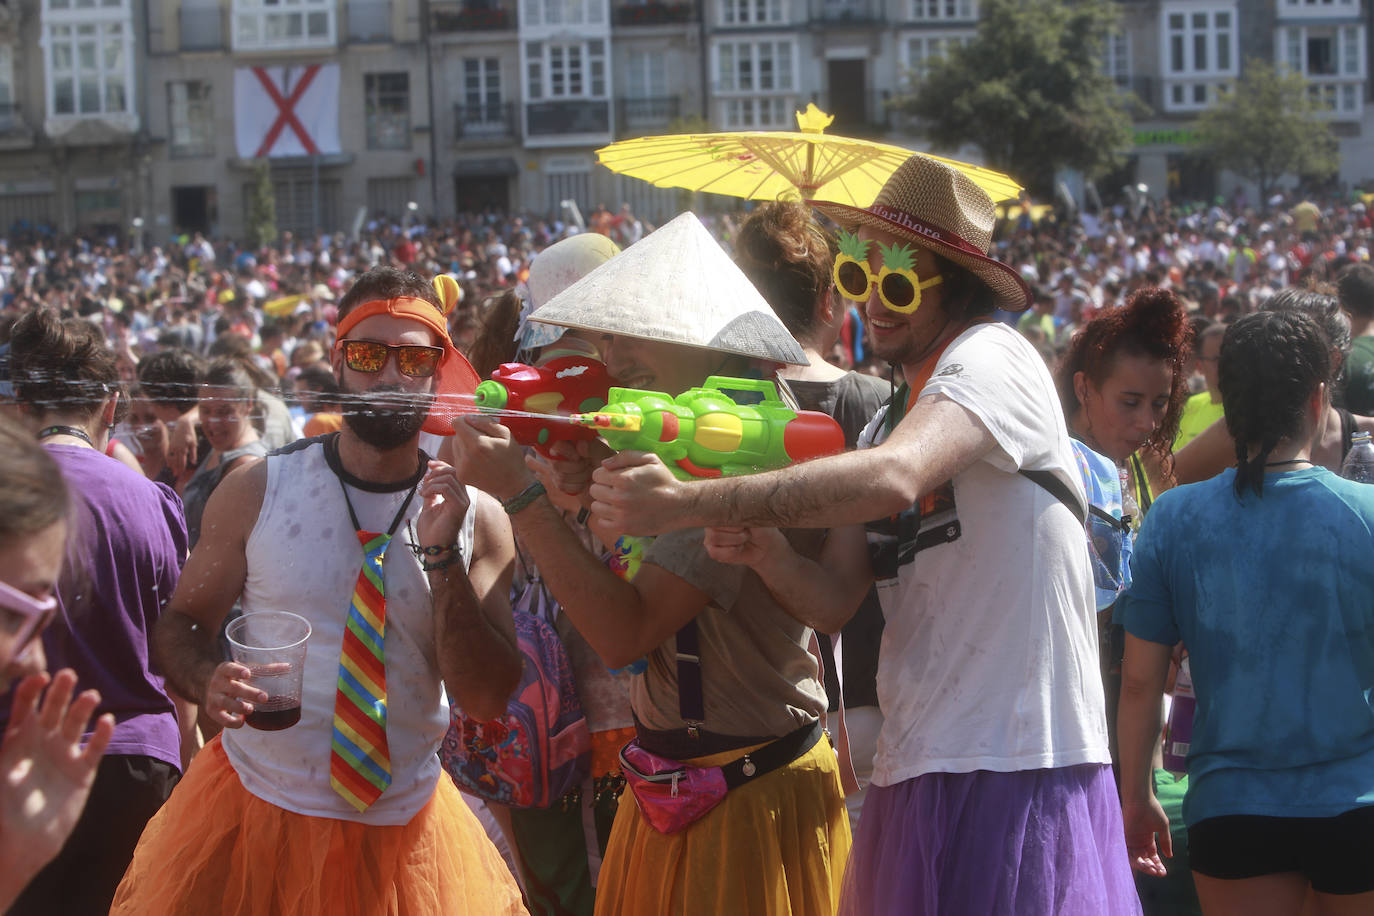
[[216, 848]]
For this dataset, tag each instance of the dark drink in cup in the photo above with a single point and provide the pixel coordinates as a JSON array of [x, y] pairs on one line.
[[274, 715]]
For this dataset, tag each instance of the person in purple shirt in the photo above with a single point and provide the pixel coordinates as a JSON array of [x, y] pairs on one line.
[[127, 543]]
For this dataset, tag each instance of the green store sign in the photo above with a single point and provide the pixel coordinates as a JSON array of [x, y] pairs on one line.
[[1171, 136]]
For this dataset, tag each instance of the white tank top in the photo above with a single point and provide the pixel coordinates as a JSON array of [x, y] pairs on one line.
[[304, 557]]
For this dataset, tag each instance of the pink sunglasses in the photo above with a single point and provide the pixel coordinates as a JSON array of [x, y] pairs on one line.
[[37, 614]]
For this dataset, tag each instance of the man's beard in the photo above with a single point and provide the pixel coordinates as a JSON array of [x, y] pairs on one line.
[[387, 416]]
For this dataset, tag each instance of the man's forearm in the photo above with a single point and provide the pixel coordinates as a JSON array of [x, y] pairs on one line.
[[600, 604], [480, 664], [187, 653], [826, 493], [811, 591]]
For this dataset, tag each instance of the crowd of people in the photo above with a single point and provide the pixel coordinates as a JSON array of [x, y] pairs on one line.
[[928, 674]]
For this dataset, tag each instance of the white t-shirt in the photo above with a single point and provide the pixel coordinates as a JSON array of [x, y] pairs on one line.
[[989, 658]]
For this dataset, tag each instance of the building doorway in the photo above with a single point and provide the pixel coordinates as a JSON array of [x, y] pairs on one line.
[[193, 209], [847, 98], [488, 193]]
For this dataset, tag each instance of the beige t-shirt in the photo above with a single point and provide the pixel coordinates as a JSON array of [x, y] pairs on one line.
[[758, 679]]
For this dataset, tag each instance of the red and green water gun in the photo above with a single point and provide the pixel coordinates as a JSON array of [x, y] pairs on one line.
[[704, 433]]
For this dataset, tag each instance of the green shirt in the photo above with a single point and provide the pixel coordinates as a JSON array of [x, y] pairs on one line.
[[1199, 412], [1359, 377]]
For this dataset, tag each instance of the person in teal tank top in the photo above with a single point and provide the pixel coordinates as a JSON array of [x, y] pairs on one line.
[[1263, 573]]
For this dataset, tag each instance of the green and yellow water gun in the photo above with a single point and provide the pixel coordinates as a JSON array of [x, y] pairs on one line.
[[704, 433]]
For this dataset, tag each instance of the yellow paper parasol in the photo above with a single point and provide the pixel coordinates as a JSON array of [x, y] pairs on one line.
[[767, 165]]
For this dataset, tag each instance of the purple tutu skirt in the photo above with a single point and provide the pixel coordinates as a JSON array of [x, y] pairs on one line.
[[1032, 843]]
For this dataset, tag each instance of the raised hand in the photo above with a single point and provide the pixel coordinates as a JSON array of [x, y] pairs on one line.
[[445, 505], [47, 774]]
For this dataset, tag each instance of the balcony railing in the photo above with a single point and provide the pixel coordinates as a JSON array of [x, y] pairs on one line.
[[476, 16], [369, 20], [491, 121], [635, 115], [839, 12], [653, 13], [202, 28], [584, 116]]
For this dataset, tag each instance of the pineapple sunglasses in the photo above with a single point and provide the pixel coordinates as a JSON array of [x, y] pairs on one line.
[[899, 287]]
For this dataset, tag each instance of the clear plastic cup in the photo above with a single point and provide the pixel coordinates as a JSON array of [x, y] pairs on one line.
[[271, 644]]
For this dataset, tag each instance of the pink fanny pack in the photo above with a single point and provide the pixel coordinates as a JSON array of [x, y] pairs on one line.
[[672, 795]]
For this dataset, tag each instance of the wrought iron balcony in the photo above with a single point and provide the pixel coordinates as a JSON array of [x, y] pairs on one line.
[[488, 121], [653, 13], [476, 16], [637, 115], [840, 12]]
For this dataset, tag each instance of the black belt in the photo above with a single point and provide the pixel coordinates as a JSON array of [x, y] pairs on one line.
[[771, 756]]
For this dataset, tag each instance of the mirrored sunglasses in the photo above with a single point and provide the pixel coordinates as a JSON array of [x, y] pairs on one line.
[[899, 290], [414, 360]]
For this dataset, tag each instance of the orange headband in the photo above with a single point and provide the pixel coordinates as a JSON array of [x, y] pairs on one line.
[[401, 307]]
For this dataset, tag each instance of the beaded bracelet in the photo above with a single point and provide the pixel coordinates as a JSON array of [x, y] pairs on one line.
[[523, 498]]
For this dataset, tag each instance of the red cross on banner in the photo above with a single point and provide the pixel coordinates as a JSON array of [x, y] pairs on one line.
[[286, 111]]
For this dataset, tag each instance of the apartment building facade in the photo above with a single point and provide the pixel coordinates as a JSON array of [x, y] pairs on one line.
[[151, 115], [73, 150]]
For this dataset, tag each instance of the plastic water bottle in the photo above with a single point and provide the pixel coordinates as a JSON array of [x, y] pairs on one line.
[[1359, 464], [1178, 735]]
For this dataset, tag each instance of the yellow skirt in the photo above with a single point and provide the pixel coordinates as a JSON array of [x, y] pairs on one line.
[[776, 847], [216, 848]]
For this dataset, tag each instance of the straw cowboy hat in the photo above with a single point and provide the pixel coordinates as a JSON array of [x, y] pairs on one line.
[[940, 209], [676, 285]]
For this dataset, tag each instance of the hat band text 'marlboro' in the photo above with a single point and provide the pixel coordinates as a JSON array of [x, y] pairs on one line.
[[907, 221]]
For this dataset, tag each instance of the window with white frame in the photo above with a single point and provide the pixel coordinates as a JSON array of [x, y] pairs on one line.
[[920, 50], [264, 25], [756, 113], [482, 90], [1116, 58], [751, 12], [1333, 60], [191, 119], [565, 70], [1199, 53], [947, 10], [88, 56], [386, 108], [563, 12], [646, 75], [756, 66]]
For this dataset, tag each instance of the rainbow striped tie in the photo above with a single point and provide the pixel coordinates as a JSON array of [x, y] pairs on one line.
[[359, 761]]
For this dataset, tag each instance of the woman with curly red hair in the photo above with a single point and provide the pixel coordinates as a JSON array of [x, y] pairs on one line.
[[1123, 383]]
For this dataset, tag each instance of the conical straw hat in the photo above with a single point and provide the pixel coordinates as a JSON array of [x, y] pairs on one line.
[[676, 285]]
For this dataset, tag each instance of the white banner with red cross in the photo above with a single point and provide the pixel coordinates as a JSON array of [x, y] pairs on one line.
[[286, 111]]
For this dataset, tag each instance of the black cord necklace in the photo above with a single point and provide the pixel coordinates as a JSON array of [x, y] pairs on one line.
[[75, 432], [1276, 464]]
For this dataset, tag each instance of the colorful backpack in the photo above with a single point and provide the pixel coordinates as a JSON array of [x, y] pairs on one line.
[[541, 749]]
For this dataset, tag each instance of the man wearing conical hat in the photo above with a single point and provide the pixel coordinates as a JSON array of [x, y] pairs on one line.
[[992, 790], [723, 678]]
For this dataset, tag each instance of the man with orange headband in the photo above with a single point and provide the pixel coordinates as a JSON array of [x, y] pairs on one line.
[[403, 575]]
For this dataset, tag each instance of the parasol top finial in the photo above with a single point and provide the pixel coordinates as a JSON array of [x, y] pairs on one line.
[[813, 120]]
